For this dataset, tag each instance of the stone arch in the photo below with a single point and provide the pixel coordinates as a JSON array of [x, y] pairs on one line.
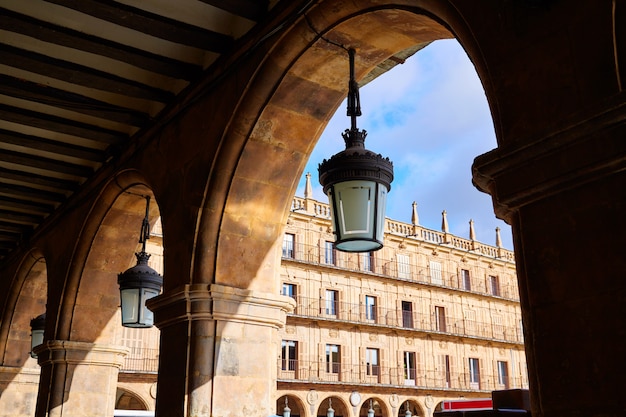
[[379, 406], [126, 399], [279, 127], [342, 409], [106, 248], [297, 406], [28, 299], [414, 407]]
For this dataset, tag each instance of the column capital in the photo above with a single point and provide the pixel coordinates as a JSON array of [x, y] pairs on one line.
[[585, 150], [220, 302], [80, 353]]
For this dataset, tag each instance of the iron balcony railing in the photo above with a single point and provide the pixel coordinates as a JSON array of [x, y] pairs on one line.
[[372, 263], [364, 374], [435, 322], [141, 360]]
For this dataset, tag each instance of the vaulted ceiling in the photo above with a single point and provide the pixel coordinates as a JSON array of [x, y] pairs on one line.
[[80, 78]]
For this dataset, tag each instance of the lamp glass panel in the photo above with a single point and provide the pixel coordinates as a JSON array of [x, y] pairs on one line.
[[130, 305], [36, 338], [354, 210], [147, 314]]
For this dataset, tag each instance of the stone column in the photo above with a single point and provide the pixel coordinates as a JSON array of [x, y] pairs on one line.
[[18, 390], [219, 350], [78, 379], [565, 196]]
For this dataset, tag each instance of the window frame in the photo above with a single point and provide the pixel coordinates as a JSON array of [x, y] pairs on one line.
[[333, 352], [289, 239], [330, 255], [331, 302], [289, 348], [372, 361], [371, 306]]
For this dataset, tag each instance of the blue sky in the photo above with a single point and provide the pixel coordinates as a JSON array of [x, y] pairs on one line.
[[430, 117]]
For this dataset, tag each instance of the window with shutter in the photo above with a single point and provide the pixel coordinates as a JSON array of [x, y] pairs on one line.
[[435, 273]]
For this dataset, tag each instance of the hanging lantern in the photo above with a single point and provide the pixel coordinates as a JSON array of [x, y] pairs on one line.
[[370, 412], [37, 327], [139, 283], [356, 182], [330, 412], [286, 410]]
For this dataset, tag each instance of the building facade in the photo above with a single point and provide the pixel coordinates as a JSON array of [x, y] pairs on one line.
[[429, 317]]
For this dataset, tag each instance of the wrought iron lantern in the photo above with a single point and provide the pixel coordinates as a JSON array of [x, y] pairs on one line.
[[139, 283], [37, 326], [356, 181]]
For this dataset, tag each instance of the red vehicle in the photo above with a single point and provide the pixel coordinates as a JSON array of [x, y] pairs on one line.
[[470, 404]]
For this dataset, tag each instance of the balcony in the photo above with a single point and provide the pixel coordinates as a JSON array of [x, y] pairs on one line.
[[141, 360], [390, 268], [356, 313], [361, 374]]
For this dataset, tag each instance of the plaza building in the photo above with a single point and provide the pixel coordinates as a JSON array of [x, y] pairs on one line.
[[429, 317]]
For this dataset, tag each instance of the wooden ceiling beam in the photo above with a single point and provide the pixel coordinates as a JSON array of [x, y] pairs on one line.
[[80, 74], [52, 146], [26, 205], [58, 184], [151, 24], [251, 10], [20, 191], [26, 90], [60, 125], [48, 32], [47, 164]]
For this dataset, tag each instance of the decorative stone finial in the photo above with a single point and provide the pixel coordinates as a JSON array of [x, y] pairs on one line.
[[414, 217], [444, 222], [498, 238], [308, 190]]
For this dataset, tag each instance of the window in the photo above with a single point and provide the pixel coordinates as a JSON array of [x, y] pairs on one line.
[[407, 314], [435, 273], [440, 319], [370, 307], [329, 253], [367, 261], [494, 285], [498, 327], [333, 361], [444, 371], [289, 290], [371, 360], [470, 322], [466, 282], [409, 368], [474, 373], [332, 297], [289, 355], [404, 266], [503, 374], [288, 245]]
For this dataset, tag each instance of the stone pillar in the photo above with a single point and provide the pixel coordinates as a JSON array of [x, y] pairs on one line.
[[565, 197], [219, 351], [77, 378], [18, 391]]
